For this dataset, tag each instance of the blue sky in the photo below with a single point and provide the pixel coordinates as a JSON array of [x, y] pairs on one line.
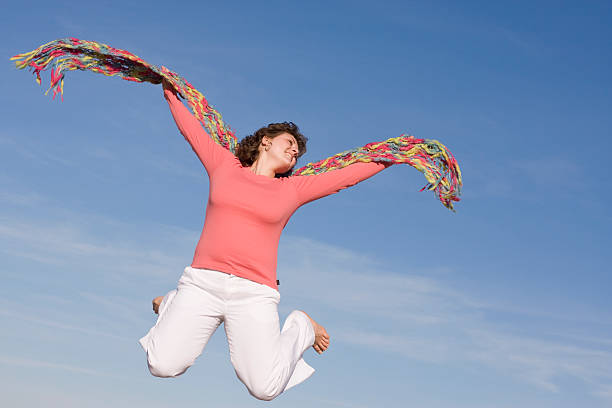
[[505, 303]]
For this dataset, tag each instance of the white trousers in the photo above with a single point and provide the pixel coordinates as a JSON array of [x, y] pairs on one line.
[[267, 360]]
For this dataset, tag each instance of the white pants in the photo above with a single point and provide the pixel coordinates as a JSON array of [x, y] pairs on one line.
[[266, 359]]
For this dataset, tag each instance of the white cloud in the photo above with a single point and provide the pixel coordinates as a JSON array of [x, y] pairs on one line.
[[604, 391], [23, 362], [335, 403], [33, 152], [360, 285], [551, 171], [412, 346], [542, 362], [45, 320], [420, 318], [76, 238], [120, 307], [367, 302], [21, 199]]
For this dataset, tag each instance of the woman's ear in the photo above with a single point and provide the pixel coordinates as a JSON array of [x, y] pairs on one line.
[[265, 143]]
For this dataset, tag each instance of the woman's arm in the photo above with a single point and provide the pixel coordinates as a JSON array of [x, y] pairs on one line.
[[210, 153], [310, 188]]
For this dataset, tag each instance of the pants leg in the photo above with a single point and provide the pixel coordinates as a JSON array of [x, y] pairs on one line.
[[266, 360], [187, 318]]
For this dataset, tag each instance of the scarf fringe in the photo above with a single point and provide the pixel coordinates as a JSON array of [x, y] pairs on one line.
[[430, 157], [71, 54]]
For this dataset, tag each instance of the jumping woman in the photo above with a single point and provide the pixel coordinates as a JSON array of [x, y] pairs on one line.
[[232, 278]]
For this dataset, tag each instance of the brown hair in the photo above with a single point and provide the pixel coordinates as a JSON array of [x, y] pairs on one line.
[[247, 150]]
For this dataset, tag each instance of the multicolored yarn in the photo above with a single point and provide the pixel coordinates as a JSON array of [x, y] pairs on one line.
[[70, 54], [430, 157]]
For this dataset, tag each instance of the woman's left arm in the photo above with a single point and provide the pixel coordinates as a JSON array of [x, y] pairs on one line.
[[310, 188]]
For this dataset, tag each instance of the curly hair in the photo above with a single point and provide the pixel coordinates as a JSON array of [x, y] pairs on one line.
[[247, 150]]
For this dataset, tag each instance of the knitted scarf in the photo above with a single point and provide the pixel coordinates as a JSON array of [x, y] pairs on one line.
[[430, 157]]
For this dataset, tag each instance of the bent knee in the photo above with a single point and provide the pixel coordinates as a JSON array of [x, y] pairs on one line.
[[265, 392], [264, 396], [166, 369]]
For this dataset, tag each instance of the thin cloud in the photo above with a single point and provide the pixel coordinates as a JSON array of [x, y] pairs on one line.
[[102, 153], [23, 362], [70, 241], [46, 321], [34, 152], [604, 392], [423, 319], [355, 283], [555, 171], [119, 307], [21, 199], [414, 347], [335, 403], [542, 362]]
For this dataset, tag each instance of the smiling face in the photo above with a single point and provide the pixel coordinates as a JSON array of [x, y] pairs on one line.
[[281, 151], [272, 150]]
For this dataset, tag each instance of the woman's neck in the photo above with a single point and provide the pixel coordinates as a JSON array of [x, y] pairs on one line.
[[259, 168]]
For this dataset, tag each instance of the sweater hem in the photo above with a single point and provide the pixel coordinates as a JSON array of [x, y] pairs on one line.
[[236, 272]]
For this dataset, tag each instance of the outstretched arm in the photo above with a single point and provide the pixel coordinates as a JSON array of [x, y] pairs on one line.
[[310, 188], [209, 152]]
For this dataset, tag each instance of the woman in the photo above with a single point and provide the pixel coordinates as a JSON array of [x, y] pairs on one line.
[[232, 278]]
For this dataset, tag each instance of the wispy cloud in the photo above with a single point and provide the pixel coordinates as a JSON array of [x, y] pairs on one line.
[[418, 317], [355, 283], [385, 308], [413, 346], [50, 322], [74, 240], [542, 362], [176, 168], [102, 153], [21, 199], [554, 171], [33, 152], [23, 362], [604, 392], [119, 307], [44, 154], [335, 403], [526, 179]]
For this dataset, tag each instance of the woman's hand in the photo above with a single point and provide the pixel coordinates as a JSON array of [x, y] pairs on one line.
[[168, 86]]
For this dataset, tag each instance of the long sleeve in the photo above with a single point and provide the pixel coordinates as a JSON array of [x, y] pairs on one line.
[[210, 153], [310, 188]]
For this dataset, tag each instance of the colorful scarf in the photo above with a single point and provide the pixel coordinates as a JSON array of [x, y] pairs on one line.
[[430, 157]]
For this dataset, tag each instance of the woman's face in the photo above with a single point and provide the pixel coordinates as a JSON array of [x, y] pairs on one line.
[[282, 150]]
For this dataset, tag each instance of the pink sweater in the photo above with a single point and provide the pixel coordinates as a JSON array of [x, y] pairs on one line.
[[246, 213]]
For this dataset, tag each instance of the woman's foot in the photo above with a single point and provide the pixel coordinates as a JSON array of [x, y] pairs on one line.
[[156, 302], [321, 342]]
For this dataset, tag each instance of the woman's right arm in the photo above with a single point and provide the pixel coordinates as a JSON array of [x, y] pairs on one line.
[[310, 188], [210, 153]]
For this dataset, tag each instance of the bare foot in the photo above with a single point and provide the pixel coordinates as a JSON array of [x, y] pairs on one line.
[[321, 342], [156, 302]]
